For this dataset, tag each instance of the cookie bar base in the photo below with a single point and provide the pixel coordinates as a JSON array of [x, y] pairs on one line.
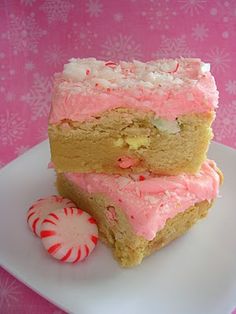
[[99, 144], [128, 248]]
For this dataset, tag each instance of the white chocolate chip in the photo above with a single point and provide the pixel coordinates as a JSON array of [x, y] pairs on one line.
[[171, 127]]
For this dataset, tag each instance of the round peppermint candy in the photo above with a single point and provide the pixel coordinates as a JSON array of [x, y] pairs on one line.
[[42, 207], [69, 234]]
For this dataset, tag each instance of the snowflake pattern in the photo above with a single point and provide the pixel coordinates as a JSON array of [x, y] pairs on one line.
[[192, 7], [158, 15], [219, 59], [173, 48], [225, 12], [7, 73], [39, 96], [21, 149], [12, 128], [24, 33], [1, 165], [94, 8], [82, 36], [9, 292], [29, 66], [27, 2], [118, 17], [225, 122], [3, 74], [42, 133], [10, 96], [12, 72], [200, 32], [56, 10], [121, 47], [55, 56], [230, 87]]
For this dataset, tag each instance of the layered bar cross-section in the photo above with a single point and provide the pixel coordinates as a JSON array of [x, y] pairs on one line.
[[138, 214], [130, 117]]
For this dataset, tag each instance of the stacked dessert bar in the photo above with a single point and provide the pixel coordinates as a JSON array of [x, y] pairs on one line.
[[129, 142]]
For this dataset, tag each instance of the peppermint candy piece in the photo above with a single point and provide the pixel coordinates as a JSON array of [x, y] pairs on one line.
[[42, 207], [69, 234]]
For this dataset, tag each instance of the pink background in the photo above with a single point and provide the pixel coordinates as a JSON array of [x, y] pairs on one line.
[[38, 36]]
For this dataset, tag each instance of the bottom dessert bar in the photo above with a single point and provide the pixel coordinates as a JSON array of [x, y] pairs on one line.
[[138, 215]]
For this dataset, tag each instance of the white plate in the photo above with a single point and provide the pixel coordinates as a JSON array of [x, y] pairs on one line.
[[195, 274]]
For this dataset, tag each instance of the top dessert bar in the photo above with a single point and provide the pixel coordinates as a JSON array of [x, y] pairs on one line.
[[126, 117]]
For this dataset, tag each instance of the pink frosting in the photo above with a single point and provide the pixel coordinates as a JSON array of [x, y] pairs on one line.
[[148, 200], [79, 100]]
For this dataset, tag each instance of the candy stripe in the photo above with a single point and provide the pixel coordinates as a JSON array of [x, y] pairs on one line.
[[79, 211], [31, 207], [34, 225], [44, 207], [30, 215], [110, 64], [74, 233], [70, 204], [78, 256], [58, 199], [47, 233], [86, 250], [94, 239], [49, 221], [54, 248], [92, 220], [54, 215], [63, 259]]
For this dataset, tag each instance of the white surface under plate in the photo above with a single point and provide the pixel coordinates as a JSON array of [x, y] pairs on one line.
[[195, 274]]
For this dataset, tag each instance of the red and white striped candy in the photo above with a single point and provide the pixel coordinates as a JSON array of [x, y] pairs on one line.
[[69, 234], [42, 207]]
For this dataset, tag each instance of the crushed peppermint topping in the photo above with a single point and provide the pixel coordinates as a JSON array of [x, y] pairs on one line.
[[110, 64], [141, 178], [93, 73]]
